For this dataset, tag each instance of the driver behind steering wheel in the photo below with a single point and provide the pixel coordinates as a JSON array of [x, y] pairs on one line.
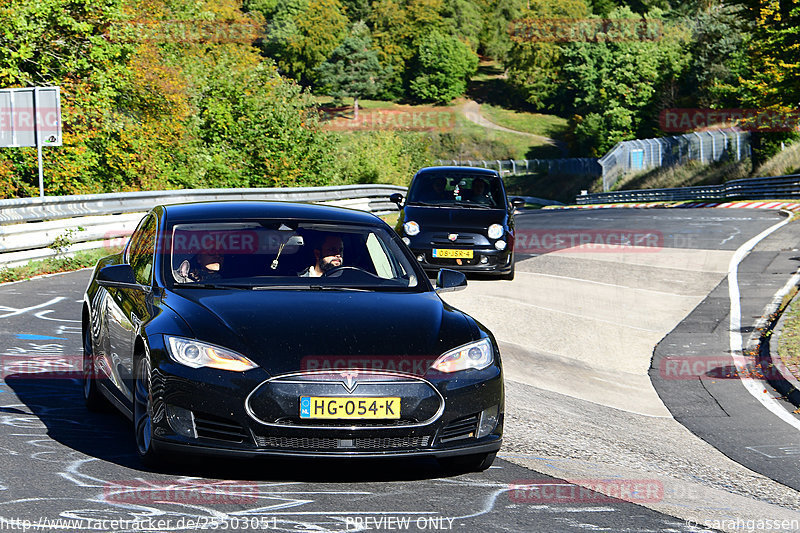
[[328, 255]]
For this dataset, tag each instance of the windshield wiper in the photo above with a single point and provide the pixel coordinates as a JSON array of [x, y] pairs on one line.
[[337, 288], [209, 286]]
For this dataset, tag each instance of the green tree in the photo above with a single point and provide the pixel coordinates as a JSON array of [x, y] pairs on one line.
[[443, 66], [615, 88], [534, 67], [771, 79], [353, 70], [303, 33]]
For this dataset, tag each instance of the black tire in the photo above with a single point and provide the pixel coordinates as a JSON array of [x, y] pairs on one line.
[[468, 463], [142, 415], [94, 399]]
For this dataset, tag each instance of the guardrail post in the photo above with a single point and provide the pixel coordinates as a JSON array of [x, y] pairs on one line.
[[513, 168]]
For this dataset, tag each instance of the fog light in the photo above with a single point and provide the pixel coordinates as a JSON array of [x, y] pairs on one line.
[[421, 258], [500, 245], [484, 260], [407, 241], [181, 421], [488, 421]]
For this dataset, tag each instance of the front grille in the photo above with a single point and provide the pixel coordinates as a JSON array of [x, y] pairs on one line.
[[461, 428], [442, 238], [326, 422], [361, 443], [444, 261], [211, 427]]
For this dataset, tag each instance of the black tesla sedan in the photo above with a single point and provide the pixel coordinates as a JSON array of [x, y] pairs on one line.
[[258, 328], [459, 218]]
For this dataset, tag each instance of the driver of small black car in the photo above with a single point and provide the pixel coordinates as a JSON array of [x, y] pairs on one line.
[[205, 266], [328, 255]]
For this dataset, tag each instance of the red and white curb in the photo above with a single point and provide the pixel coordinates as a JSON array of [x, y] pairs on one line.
[[788, 206]]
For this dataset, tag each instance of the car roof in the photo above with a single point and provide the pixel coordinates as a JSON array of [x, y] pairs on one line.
[[453, 169], [223, 210]]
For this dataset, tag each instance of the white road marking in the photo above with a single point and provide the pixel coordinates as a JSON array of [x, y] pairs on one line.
[[754, 387], [14, 311]]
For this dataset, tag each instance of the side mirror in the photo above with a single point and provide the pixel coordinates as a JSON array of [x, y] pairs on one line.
[[450, 280], [396, 198], [120, 276], [518, 203]]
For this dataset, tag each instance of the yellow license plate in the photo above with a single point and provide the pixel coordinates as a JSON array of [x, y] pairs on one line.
[[452, 254], [349, 408]]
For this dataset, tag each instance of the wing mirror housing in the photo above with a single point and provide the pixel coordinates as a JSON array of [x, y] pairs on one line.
[[450, 280], [120, 276], [397, 198], [518, 203]]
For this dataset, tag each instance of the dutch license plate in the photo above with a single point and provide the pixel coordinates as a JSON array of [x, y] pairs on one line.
[[452, 254], [349, 408]]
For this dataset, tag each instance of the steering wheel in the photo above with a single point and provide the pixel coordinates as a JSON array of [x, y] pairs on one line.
[[344, 268]]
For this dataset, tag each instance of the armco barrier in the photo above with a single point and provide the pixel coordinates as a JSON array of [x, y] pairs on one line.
[[778, 187], [29, 225]]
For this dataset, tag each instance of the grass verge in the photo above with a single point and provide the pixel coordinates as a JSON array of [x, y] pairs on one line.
[[82, 259], [536, 123], [789, 341]]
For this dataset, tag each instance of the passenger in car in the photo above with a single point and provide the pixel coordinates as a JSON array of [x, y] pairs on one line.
[[328, 255], [205, 266], [480, 193]]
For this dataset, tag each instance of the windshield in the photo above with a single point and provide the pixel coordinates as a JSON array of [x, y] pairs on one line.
[[459, 189], [275, 254]]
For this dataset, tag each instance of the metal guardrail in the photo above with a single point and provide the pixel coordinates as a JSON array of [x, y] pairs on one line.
[[777, 187], [28, 226]]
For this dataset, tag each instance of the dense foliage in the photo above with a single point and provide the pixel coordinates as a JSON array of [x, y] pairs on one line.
[[223, 93]]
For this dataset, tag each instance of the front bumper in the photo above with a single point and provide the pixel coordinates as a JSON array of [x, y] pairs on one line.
[[483, 261], [226, 423]]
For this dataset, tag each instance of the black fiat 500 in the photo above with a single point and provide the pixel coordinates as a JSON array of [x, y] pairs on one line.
[[258, 328], [459, 218]]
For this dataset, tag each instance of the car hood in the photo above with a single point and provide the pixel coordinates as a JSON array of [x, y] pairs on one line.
[[286, 331], [453, 217]]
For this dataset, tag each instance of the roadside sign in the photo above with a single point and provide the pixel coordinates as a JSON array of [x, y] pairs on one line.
[[31, 116]]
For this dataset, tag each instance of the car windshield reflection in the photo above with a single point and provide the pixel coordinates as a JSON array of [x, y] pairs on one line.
[[275, 254], [456, 190]]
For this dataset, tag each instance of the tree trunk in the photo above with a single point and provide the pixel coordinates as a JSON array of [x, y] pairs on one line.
[[355, 107]]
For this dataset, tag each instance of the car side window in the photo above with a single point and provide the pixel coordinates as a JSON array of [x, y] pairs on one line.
[[141, 251]]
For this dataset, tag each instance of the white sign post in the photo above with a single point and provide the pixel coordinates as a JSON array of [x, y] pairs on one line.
[[31, 116]]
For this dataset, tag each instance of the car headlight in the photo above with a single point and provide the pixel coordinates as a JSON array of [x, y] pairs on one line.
[[477, 355], [495, 231], [411, 228], [196, 354]]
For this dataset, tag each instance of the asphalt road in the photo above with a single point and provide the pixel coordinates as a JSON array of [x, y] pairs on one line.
[[59, 462]]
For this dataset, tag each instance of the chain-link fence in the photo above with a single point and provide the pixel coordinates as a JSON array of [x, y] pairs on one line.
[[644, 154], [573, 166]]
